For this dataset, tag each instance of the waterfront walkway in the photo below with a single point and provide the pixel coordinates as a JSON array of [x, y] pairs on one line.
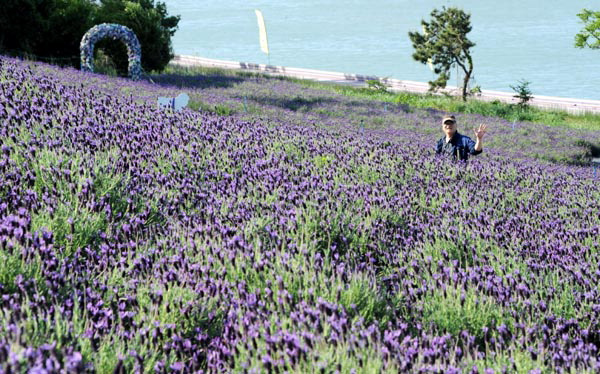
[[545, 102]]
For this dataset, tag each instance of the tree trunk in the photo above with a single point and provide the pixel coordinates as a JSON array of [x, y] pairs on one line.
[[465, 83], [467, 76]]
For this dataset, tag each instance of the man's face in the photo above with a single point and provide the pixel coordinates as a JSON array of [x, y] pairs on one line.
[[449, 128]]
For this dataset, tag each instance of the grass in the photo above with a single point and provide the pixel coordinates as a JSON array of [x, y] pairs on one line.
[[74, 223], [177, 305], [329, 359], [517, 362], [452, 311], [510, 112], [13, 264], [308, 273], [219, 109]]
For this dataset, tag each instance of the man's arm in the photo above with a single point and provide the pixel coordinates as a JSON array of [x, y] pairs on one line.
[[472, 147], [478, 145]]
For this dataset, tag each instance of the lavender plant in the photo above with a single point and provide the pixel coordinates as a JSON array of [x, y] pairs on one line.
[[136, 239]]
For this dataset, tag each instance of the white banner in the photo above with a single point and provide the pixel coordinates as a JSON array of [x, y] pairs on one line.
[[262, 32]]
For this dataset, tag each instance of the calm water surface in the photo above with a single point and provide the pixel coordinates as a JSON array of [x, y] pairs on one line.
[[516, 39]]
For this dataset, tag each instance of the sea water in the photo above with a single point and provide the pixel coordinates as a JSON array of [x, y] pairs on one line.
[[515, 40]]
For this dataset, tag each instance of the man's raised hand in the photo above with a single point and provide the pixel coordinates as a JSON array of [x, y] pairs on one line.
[[480, 132]]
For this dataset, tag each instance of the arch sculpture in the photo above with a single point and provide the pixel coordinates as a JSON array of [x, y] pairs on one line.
[[114, 31]]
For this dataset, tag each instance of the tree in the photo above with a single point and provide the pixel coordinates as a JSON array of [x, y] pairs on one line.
[[150, 23], [23, 24], [51, 30], [590, 35], [444, 42], [69, 20], [523, 93]]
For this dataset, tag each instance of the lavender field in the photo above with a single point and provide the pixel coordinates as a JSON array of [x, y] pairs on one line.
[[281, 237]]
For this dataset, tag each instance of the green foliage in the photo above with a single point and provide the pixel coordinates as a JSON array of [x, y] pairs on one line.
[[150, 23], [67, 24], [452, 311], [323, 161], [456, 249], [443, 43], [335, 359], [365, 301], [220, 109], [171, 309], [35, 331], [103, 64], [72, 221], [343, 357], [71, 233], [523, 93], [13, 264], [593, 149], [22, 23], [589, 36], [51, 30], [520, 361], [495, 108], [475, 90], [377, 85]]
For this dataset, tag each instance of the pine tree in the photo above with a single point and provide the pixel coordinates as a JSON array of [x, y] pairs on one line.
[[590, 35], [443, 43]]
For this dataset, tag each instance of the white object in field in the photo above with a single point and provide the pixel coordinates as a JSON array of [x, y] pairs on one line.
[[262, 31], [175, 103], [595, 163]]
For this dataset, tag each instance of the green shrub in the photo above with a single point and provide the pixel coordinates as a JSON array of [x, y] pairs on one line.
[[453, 310], [52, 30], [150, 23], [523, 93], [377, 85]]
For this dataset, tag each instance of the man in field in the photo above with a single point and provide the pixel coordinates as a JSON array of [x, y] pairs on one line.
[[456, 145]]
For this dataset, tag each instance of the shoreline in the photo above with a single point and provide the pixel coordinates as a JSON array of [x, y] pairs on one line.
[[571, 105]]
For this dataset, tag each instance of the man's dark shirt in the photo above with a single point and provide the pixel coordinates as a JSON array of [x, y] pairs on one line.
[[460, 145]]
